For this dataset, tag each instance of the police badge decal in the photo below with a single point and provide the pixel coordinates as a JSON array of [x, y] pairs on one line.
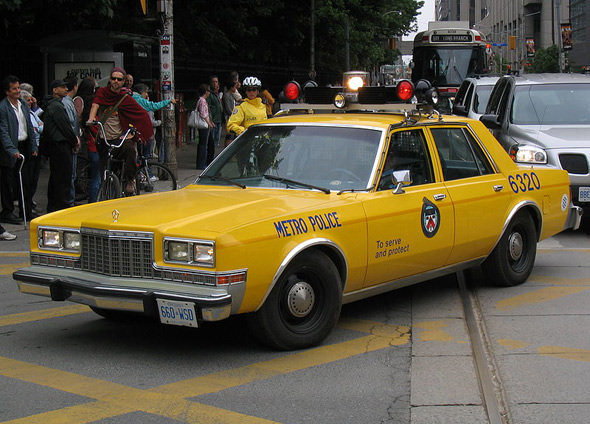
[[430, 218]]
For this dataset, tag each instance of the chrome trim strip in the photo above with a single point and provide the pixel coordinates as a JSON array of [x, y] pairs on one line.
[[513, 212], [298, 249], [407, 281]]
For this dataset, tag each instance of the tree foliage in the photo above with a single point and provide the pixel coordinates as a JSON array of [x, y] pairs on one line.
[[275, 33], [545, 60]]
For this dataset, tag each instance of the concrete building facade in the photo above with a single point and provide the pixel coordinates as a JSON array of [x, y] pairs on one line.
[[535, 21]]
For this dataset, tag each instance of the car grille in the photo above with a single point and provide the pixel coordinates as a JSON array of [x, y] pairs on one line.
[[122, 254], [573, 163]]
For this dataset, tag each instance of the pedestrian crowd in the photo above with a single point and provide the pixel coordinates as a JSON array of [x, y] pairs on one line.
[[62, 125]]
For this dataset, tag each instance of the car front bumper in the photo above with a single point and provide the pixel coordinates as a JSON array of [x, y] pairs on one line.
[[212, 303]]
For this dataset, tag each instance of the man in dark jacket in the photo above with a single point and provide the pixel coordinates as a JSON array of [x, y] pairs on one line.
[[58, 142], [16, 142]]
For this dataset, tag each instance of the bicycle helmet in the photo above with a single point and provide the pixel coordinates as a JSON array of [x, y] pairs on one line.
[[252, 82]]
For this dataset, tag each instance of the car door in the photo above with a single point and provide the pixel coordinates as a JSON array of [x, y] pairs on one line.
[[409, 231], [498, 107], [480, 195]]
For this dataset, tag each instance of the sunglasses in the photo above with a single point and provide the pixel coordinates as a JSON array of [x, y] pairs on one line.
[[251, 89], [117, 79]]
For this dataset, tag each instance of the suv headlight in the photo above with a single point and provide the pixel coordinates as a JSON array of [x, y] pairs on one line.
[[59, 239], [190, 252], [528, 154]]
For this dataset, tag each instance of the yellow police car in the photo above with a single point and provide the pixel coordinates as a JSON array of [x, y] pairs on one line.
[[309, 210]]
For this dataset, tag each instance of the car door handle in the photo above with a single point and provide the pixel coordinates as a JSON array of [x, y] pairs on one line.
[[439, 197], [498, 187]]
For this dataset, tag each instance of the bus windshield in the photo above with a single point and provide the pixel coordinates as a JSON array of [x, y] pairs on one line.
[[447, 66]]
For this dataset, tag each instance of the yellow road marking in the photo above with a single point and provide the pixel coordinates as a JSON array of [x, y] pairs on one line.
[[544, 294], [79, 414], [433, 331], [22, 317], [512, 344], [170, 400], [8, 269], [561, 281], [384, 336], [565, 353], [14, 254]]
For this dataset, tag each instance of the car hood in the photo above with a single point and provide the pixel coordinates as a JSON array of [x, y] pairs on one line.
[[206, 209], [553, 137]]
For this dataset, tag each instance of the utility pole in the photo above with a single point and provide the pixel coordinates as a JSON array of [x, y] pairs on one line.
[[559, 43], [165, 8]]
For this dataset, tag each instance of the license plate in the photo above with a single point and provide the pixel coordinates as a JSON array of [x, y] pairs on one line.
[[177, 313], [584, 194]]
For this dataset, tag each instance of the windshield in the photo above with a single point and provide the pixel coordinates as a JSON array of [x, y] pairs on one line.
[[551, 104], [446, 66], [303, 157], [480, 100]]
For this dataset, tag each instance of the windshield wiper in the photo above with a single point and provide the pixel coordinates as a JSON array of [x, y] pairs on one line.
[[220, 178], [299, 183], [354, 190]]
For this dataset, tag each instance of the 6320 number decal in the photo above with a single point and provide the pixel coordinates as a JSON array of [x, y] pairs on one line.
[[528, 181]]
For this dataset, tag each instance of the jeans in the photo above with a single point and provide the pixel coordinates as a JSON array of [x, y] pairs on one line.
[[93, 177], [202, 149]]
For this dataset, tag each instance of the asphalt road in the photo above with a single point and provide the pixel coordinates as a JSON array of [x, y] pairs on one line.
[[402, 357]]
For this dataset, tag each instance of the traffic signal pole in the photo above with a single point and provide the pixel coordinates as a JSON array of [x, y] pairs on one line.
[[165, 7]]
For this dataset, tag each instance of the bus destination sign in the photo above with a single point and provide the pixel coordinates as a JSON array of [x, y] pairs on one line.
[[451, 38]]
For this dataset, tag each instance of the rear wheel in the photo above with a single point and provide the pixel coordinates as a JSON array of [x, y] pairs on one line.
[[157, 179], [513, 258], [304, 305], [110, 188]]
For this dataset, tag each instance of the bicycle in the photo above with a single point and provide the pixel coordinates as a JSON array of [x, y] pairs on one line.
[[150, 177], [153, 176]]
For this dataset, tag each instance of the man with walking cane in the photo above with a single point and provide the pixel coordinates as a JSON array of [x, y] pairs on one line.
[[17, 141]]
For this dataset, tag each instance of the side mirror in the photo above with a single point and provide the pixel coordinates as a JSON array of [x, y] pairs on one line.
[[460, 110], [490, 121], [400, 179]]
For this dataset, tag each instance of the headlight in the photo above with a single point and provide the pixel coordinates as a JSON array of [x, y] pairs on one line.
[[59, 239], [178, 251], [193, 252], [528, 154], [72, 241]]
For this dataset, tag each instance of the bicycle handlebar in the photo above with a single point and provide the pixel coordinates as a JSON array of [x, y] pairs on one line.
[[131, 130]]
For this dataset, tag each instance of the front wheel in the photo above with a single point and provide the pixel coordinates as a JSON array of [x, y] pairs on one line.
[[110, 188], [155, 178], [512, 260], [304, 305]]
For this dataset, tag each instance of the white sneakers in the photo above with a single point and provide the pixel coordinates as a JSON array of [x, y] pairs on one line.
[[7, 236], [153, 178]]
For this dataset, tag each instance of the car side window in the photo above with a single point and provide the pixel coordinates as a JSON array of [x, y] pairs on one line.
[[407, 151], [496, 97], [460, 154]]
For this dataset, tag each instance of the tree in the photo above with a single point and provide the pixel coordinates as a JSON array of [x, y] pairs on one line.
[[545, 60], [270, 36]]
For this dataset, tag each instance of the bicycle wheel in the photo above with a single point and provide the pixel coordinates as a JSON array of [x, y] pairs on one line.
[[110, 188], [82, 178], [158, 179]]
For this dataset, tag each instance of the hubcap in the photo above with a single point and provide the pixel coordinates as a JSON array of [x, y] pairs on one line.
[[515, 246], [300, 299]]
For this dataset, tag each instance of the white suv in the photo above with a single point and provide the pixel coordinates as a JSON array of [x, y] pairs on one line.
[[544, 120]]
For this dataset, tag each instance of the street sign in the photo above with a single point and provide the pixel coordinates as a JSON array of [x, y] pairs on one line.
[[500, 44]]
